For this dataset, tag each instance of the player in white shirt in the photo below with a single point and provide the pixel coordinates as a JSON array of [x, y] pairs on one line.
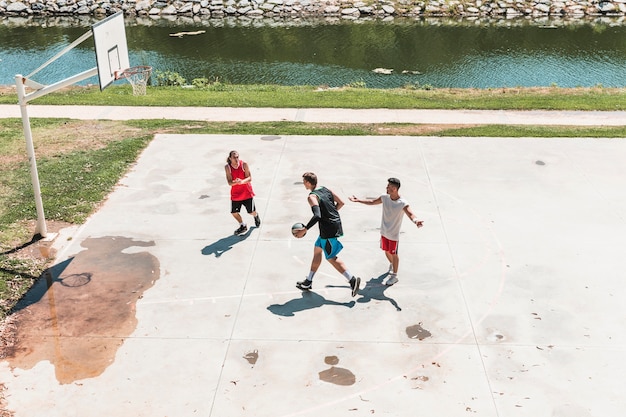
[[394, 206]]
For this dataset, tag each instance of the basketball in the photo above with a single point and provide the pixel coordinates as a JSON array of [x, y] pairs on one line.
[[297, 227]]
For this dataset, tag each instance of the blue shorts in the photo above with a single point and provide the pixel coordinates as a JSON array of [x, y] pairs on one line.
[[331, 246]]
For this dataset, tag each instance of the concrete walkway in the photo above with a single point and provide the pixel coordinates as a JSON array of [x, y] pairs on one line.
[[219, 114], [510, 300]]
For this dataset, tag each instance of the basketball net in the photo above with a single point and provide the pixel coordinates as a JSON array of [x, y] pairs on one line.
[[137, 77]]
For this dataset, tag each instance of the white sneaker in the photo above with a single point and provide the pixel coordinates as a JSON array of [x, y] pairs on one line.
[[392, 280]]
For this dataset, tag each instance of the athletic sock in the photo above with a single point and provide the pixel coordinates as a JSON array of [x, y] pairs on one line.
[[348, 275], [310, 277]]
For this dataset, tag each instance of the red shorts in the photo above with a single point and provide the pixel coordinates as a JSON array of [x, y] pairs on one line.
[[388, 245]]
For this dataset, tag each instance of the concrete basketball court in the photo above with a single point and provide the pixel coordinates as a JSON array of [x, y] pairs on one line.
[[510, 301]]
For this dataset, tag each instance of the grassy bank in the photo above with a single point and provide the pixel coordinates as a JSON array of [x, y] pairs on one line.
[[226, 95], [81, 161]]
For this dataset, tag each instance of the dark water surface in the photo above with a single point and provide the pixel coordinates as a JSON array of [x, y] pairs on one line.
[[444, 53]]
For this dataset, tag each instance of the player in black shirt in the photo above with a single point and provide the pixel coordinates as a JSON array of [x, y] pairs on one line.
[[325, 206]]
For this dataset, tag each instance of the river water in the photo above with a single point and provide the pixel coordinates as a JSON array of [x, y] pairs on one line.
[[434, 52]]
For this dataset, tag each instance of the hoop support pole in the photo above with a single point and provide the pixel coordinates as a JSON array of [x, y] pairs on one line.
[[40, 228], [58, 85]]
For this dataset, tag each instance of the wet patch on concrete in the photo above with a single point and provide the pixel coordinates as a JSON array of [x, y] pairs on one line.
[[270, 138], [252, 357], [417, 332], [331, 360], [80, 311], [336, 375]]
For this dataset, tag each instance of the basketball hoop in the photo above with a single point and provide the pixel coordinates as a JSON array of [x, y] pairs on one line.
[[137, 77]]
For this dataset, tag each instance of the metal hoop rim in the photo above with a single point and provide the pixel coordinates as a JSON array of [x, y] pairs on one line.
[[139, 69]]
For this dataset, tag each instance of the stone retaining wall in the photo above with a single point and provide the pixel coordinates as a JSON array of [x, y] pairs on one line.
[[348, 9]]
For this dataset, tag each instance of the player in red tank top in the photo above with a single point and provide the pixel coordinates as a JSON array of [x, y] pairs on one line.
[[241, 194]]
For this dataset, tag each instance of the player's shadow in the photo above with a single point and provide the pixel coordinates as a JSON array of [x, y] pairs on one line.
[[375, 290], [308, 301], [219, 247]]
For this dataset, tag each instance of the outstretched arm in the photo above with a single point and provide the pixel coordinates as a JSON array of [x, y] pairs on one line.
[[368, 201], [409, 212]]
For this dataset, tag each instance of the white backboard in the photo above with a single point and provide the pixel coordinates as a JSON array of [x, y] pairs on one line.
[[109, 36]]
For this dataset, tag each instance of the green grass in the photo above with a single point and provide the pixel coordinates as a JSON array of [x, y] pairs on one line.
[[538, 131], [79, 181], [258, 128], [341, 129], [73, 184], [226, 95], [16, 277]]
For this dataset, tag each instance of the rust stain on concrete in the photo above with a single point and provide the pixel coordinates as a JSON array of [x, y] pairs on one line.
[[81, 311]]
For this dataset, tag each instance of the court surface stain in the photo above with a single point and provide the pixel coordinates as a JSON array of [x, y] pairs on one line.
[[336, 375], [417, 332], [81, 310], [252, 357]]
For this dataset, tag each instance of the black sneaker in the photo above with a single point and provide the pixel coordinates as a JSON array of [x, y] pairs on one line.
[[355, 283], [257, 221], [242, 229], [304, 285]]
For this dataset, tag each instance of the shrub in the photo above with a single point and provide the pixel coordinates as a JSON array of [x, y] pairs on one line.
[[200, 82], [168, 79], [205, 83]]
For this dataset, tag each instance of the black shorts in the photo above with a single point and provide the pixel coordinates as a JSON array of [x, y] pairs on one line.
[[235, 206]]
